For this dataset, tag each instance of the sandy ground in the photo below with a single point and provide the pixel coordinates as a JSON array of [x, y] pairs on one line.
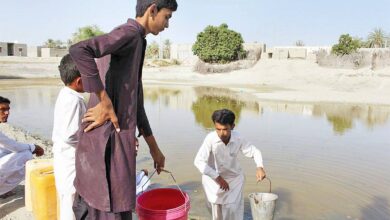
[[277, 80], [284, 80], [289, 80]]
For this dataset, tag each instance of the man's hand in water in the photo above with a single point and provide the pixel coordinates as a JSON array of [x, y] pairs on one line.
[[102, 112]]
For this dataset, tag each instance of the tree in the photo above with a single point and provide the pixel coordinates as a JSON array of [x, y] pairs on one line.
[[362, 42], [167, 49], [376, 38], [299, 43], [152, 50], [346, 45], [85, 33], [50, 43], [218, 45]]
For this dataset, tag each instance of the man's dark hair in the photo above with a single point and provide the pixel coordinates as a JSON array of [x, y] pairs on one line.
[[142, 5], [224, 117], [4, 100], [68, 70]]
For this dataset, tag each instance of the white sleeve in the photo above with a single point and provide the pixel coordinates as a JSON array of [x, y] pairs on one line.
[[202, 158], [70, 122], [14, 146], [249, 150]]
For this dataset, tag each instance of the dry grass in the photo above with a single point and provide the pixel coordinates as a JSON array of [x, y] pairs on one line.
[[251, 59], [160, 62]]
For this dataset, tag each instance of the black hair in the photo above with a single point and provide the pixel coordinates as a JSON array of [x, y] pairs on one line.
[[224, 117], [68, 70], [4, 100], [143, 5]]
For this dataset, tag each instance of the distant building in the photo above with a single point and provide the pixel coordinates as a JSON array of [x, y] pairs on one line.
[[53, 52], [34, 51], [293, 52], [184, 52], [181, 51], [13, 49]]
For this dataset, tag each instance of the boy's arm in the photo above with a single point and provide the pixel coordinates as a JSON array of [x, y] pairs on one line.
[[202, 158], [102, 112], [142, 119], [145, 130], [14, 146], [68, 120], [155, 152], [251, 151], [84, 54]]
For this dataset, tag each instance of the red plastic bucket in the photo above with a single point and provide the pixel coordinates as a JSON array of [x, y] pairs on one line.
[[163, 204]]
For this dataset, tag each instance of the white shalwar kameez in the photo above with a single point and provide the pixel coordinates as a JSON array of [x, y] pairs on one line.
[[214, 159], [68, 112], [13, 158]]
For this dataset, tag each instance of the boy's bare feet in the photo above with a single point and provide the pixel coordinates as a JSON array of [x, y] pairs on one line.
[[7, 194]]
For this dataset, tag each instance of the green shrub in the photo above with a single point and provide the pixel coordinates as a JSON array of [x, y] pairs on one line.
[[85, 33], [346, 45], [219, 45]]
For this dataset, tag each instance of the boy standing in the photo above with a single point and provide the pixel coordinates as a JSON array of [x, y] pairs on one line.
[[222, 177], [105, 156], [68, 112]]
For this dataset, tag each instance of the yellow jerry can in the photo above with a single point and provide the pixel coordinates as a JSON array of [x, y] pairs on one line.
[[32, 165], [44, 194]]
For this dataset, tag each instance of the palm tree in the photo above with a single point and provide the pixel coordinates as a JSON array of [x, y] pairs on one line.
[[167, 49], [299, 43], [152, 50], [377, 38], [50, 43]]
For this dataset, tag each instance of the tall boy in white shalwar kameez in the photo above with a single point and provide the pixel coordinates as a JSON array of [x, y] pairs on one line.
[[222, 177], [68, 112]]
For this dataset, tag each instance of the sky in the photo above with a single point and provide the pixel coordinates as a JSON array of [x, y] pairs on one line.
[[273, 22]]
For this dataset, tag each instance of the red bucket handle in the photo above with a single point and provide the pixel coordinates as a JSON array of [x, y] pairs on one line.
[[174, 180]]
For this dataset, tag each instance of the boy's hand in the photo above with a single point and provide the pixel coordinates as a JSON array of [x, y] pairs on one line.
[[102, 112], [260, 174], [158, 158], [155, 152], [38, 151], [222, 183]]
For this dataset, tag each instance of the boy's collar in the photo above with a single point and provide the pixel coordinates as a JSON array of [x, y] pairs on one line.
[[140, 28], [74, 92], [233, 137]]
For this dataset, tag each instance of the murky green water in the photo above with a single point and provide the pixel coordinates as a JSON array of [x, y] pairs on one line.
[[326, 161]]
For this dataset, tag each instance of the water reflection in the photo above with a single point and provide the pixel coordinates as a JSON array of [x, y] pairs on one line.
[[153, 94], [204, 107], [343, 116], [204, 100]]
